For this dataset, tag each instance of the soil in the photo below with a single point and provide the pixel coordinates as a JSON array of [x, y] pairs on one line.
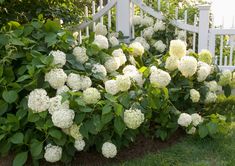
[[139, 148]]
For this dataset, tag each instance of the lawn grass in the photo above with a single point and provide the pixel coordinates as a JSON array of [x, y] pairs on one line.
[[192, 151]]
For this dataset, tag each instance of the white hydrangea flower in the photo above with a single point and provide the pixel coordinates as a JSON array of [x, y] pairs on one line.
[[80, 54], [205, 56], [192, 130], [203, 72], [172, 63], [74, 131], [153, 69], [101, 41], [123, 82], [143, 42], [187, 66], [210, 98], [56, 104], [85, 82], [59, 58], [109, 150], [184, 120], [134, 74], [112, 64], [52, 153], [74, 81], [160, 46], [38, 100], [148, 33], [177, 48], [159, 26], [111, 87], [225, 78], [133, 118], [63, 118], [147, 21], [62, 89], [196, 119], [100, 29], [99, 69], [136, 20], [79, 144], [194, 95], [138, 49], [212, 85], [91, 95], [56, 78], [114, 41], [132, 60], [181, 35], [118, 53], [159, 78]]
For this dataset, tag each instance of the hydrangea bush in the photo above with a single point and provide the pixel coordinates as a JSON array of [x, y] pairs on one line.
[[66, 97]]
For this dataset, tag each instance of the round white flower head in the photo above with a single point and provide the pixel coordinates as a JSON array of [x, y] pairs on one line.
[[99, 69], [177, 48], [205, 56], [159, 26], [91, 95], [100, 29], [172, 63], [147, 21], [160, 46], [74, 131], [52, 153], [132, 60], [181, 35], [63, 118], [203, 72], [232, 84], [114, 41], [136, 20], [153, 69], [38, 100], [109, 150], [212, 85], [112, 64], [192, 130], [111, 87], [79, 144], [118, 53], [138, 49], [132, 72], [225, 78], [148, 33], [56, 104], [194, 95], [101, 41], [74, 81], [80, 54], [123, 82], [143, 42], [196, 119], [85, 82], [187, 66], [133, 118], [184, 120], [129, 70], [56, 78], [210, 98], [160, 78], [62, 89], [59, 58]]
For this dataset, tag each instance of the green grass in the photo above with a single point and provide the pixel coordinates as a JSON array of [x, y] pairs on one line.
[[192, 152]]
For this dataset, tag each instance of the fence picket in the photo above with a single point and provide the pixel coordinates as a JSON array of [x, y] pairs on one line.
[[101, 6], [86, 15], [221, 43], [194, 34], [93, 13]]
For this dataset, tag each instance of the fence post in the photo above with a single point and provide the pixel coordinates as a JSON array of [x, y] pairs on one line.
[[204, 18], [123, 18]]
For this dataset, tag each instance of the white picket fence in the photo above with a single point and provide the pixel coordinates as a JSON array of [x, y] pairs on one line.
[[202, 30]]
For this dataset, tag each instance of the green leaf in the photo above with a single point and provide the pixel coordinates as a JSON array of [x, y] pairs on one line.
[[110, 97], [119, 126], [125, 100], [2, 136], [3, 107], [55, 133], [16, 42], [10, 96], [106, 109], [17, 138], [118, 108], [86, 109], [23, 77], [106, 118], [227, 90], [203, 131], [52, 26], [36, 147], [212, 127], [20, 159]]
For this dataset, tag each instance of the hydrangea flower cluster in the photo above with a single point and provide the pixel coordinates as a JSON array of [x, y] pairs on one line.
[[159, 78], [52, 153], [133, 118], [109, 150], [59, 58]]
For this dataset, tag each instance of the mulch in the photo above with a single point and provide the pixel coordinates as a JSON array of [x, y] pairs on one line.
[[138, 149]]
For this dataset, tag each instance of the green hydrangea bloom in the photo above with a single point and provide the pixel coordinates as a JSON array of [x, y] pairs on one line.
[[205, 56]]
